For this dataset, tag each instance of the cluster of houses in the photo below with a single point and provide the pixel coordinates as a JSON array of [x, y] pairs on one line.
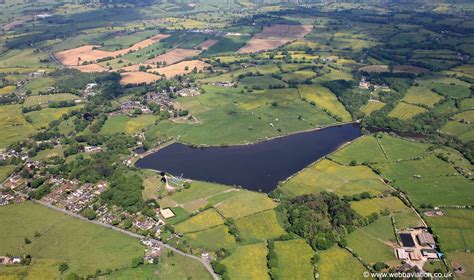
[[130, 107], [73, 198], [190, 91], [160, 98], [152, 249], [418, 247]]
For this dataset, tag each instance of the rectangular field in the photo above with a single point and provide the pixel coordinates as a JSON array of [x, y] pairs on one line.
[[326, 175], [294, 259], [248, 262], [207, 219], [260, 226], [332, 260], [405, 111]]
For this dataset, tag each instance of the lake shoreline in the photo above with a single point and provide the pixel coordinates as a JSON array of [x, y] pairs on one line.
[[259, 166]]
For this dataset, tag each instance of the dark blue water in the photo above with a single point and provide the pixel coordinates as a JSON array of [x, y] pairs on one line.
[[256, 167]]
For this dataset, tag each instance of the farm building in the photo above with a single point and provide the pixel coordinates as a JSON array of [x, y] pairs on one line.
[[426, 238], [401, 254], [430, 253]]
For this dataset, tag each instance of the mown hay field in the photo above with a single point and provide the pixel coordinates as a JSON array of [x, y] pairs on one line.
[[245, 203], [204, 220], [294, 259], [248, 262], [212, 239], [421, 95], [405, 111], [331, 262], [326, 175], [260, 226], [324, 99]]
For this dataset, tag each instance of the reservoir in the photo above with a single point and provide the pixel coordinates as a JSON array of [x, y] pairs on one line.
[[258, 166]]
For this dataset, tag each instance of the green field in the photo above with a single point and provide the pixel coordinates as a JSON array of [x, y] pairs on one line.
[[333, 260], [14, 126], [248, 262], [326, 175], [45, 99], [397, 148], [463, 131], [199, 191], [207, 219], [372, 242], [294, 259], [242, 117], [467, 103], [83, 246], [260, 226], [44, 154], [465, 116], [212, 239], [263, 82], [128, 125], [39, 84], [421, 95], [364, 149], [170, 266], [406, 219], [455, 230], [5, 171], [7, 89], [42, 118], [366, 207], [452, 91], [429, 180], [405, 111], [38, 269]]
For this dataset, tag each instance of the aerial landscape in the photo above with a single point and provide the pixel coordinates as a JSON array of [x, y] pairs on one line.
[[236, 139]]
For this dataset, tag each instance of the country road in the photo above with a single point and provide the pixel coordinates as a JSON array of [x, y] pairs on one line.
[[132, 234]]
